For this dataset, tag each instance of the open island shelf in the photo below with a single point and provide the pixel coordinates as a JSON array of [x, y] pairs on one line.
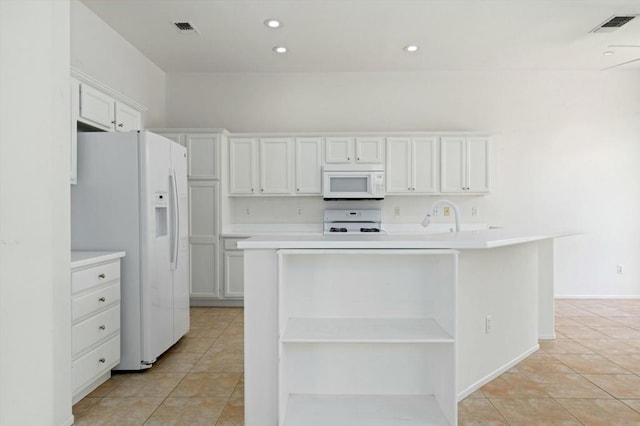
[[367, 337]]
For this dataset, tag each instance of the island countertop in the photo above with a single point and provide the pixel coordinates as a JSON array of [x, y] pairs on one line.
[[476, 239]]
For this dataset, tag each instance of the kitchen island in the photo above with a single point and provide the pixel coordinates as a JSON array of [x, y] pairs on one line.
[[388, 329]]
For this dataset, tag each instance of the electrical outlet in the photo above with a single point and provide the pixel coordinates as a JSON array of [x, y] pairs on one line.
[[620, 269], [396, 211], [488, 324], [474, 211], [447, 211], [435, 212], [248, 211], [299, 212]]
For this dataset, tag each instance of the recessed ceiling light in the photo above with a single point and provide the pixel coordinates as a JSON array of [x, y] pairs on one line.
[[412, 48], [272, 23], [608, 53], [280, 49]]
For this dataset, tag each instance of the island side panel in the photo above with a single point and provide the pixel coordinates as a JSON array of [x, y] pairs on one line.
[[261, 337], [546, 279], [501, 283]]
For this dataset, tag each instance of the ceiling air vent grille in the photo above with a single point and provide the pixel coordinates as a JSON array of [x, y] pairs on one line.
[[185, 27], [613, 23]]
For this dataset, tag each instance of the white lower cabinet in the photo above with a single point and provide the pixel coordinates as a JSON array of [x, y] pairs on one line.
[[95, 313], [367, 337], [204, 197], [233, 260], [203, 270]]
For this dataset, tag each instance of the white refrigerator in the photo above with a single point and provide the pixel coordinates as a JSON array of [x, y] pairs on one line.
[[131, 195]]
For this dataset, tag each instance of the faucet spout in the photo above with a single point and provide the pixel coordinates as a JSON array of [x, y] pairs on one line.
[[456, 213]]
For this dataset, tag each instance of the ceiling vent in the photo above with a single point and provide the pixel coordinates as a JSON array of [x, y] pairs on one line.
[[612, 24], [185, 27]]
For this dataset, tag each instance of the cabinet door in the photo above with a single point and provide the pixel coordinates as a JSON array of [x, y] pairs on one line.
[[308, 165], [338, 150], [203, 269], [370, 150], [203, 152], [242, 165], [233, 274], [276, 166], [203, 209], [203, 238], [452, 164], [96, 108], [425, 165], [478, 165], [127, 118], [398, 170]]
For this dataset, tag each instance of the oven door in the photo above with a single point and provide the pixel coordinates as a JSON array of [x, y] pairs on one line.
[[348, 185]]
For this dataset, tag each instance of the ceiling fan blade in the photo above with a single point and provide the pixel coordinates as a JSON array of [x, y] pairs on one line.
[[620, 64]]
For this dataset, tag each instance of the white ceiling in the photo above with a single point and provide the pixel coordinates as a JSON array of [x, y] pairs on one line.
[[368, 35]]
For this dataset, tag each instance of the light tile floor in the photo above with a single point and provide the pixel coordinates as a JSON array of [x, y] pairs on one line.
[[590, 375]]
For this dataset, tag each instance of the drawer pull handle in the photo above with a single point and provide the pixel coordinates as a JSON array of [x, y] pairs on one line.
[[102, 299], [102, 327], [102, 360], [102, 276]]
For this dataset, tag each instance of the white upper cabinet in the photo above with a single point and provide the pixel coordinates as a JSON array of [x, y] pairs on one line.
[[354, 150], [203, 155], [338, 150], [412, 165], [126, 118], [261, 166], [308, 166], [424, 165], [276, 166], [398, 171], [370, 150], [465, 165], [243, 173], [479, 165], [102, 111], [96, 107]]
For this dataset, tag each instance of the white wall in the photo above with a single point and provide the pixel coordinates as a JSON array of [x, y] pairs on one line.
[[35, 311], [566, 150], [99, 51]]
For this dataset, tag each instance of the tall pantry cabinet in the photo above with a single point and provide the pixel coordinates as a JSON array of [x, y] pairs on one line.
[[204, 172]]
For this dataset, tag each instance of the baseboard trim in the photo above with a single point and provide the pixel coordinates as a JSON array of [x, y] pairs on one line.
[[477, 385], [216, 303], [547, 336], [68, 422], [598, 296]]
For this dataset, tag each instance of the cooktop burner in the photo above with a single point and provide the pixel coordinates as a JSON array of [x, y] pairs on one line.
[[334, 229], [369, 229]]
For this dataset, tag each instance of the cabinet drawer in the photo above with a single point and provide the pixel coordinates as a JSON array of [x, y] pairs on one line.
[[94, 329], [95, 363], [94, 301], [232, 243], [91, 277]]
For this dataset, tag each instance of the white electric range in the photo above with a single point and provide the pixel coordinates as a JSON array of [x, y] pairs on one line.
[[352, 221]]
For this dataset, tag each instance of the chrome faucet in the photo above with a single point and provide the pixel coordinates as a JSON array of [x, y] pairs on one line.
[[456, 213]]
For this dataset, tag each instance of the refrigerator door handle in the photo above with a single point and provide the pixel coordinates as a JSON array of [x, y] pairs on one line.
[[175, 232]]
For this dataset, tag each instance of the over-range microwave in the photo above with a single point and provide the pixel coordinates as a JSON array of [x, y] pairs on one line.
[[353, 181]]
